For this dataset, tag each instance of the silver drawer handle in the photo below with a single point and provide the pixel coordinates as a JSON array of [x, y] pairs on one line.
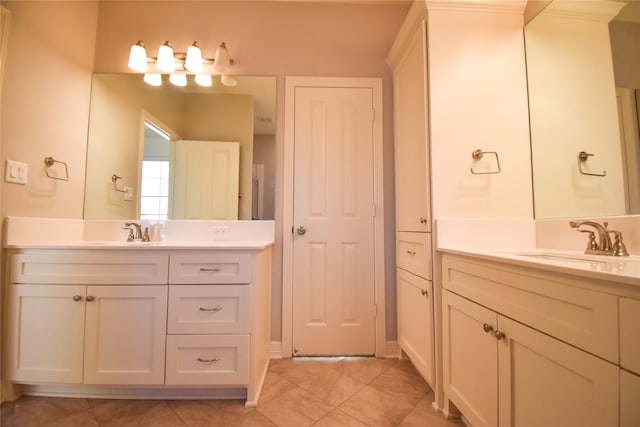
[[218, 308], [412, 253], [215, 359], [215, 270]]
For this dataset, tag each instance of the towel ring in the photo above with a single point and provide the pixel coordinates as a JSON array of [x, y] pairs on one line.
[[477, 155], [50, 161]]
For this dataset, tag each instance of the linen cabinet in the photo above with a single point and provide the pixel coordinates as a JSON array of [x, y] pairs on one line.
[[415, 304]]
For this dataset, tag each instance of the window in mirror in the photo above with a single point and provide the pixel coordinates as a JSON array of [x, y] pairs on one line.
[[154, 182]]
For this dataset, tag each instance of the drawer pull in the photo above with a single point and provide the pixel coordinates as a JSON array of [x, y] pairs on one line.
[[215, 359], [424, 292], [218, 308], [487, 327], [77, 298], [412, 253], [215, 270], [423, 220]]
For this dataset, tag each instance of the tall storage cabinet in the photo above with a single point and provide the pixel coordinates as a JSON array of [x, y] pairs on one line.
[[408, 59]]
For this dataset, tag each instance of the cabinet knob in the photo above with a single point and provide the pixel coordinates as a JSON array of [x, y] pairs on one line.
[[423, 220], [215, 359], [77, 297], [487, 327], [424, 292], [90, 298], [499, 335]]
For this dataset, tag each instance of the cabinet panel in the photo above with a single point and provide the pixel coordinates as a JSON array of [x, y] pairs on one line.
[[546, 382], [411, 143], [45, 333], [629, 338], [629, 398], [415, 321], [208, 359], [209, 269], [201, 309], [125, 334], [94, 268], [413, 253], [470, 359], [547, 302]]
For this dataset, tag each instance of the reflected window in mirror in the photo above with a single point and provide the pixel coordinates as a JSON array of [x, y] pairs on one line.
[[154, 182]]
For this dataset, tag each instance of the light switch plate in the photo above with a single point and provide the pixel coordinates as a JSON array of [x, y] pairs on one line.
[[16, 172], [128, 193]]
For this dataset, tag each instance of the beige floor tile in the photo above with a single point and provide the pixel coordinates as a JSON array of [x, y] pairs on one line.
[[405, 385], [80, 419], [425, 415], [333, 387], [365, 369], [35, 411], [298, 370], [202, 413], [252, 419], [274, 385], [295, 408], [339, 418], [136, 413], [377, 408]]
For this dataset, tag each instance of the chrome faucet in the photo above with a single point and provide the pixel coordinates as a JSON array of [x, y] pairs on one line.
[[138, 235], [603, 245]]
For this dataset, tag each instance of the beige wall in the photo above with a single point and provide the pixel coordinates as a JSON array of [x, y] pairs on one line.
[[478, 100], [625, 40], [47, 87]]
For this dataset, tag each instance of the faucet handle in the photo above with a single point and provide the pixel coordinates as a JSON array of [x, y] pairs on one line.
[[592, 244], [145, 236], [618, 248], [131, 236]]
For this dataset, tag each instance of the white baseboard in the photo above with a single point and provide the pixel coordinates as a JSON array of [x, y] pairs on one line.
[[275, 350]]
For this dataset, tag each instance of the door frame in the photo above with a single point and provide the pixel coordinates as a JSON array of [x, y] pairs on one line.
[[291, 83]]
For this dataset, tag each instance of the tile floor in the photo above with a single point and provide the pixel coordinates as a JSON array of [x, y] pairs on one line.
[[320, 392]]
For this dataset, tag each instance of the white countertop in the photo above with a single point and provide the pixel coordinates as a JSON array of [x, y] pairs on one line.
[[624, 270], [112, 245]]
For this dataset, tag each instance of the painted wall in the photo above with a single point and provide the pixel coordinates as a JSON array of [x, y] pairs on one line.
[[478, 101], [53, 41], [625, 44], [573, 109]]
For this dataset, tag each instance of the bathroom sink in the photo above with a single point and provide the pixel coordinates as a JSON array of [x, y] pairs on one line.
[[577, 257]]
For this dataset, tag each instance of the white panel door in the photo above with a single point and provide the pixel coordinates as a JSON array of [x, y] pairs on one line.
[[333, 271], [125, 334], [206, 180]]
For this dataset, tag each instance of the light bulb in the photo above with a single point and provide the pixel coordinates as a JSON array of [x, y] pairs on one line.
[[138, 57], [165, 61], [193, 60], [178, 79], [153, 79], [222, 62], [203, 80], [228, 81]]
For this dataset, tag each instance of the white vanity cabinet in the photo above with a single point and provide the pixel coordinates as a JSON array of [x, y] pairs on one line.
[[194, 321], [629, 362], [525, 347]]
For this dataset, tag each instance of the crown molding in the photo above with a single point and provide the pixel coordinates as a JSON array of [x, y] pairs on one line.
[[597, 10], [486, 6]]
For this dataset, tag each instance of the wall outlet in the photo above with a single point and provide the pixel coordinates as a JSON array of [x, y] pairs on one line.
[[128, 193], [16, 172]]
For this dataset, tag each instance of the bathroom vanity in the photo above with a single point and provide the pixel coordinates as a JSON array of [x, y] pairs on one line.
[[185, 317], [541, 337]]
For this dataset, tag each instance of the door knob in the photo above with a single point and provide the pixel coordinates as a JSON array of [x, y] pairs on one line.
[[301, 230]]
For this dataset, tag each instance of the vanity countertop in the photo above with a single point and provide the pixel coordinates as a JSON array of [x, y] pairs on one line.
[[107, 245], [621, 270]]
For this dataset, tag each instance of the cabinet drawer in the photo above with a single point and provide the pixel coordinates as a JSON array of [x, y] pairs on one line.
[[207, 359], [629, 338], [209, 269], [197, 309], [89, 268], [413, 253], [554, 304]]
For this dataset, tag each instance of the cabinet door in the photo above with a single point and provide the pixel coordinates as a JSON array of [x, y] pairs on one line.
[[125, 334], [629, 398], [45, 333], [546, 382], [470, 354], [410, 124], [415, 321]]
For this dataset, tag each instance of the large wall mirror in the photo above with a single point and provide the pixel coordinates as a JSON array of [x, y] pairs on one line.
[[583, 72], [180, 152]]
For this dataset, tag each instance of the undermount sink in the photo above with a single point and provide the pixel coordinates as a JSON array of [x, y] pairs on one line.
[[576, 257]]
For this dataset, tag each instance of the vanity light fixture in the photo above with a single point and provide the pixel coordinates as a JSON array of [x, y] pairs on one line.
[[191, 62]]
